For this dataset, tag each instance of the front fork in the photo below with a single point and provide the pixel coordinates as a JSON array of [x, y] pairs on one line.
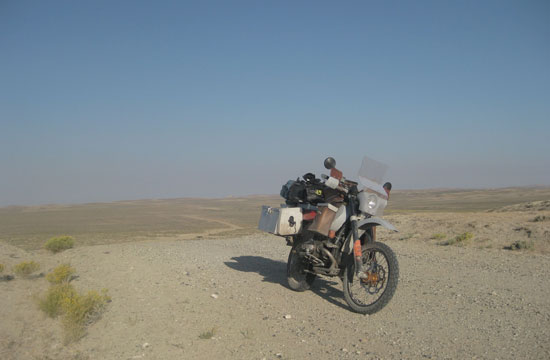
[[357, 249]]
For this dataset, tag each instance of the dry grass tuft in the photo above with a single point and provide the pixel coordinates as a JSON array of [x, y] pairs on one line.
[[521, 245], [459, 240], [2, 267], [26, 268], [248, 333], [406, 237], [60, 243], [208, 334]]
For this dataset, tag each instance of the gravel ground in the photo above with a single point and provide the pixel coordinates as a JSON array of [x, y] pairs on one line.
[[451, 302]]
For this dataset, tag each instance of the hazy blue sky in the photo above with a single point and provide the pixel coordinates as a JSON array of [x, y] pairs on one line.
[[110, 100]]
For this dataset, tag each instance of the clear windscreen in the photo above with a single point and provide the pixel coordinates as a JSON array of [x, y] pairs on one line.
[[371, 174]]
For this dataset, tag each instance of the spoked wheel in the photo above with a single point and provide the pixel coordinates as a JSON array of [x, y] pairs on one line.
[[371, 294], [298, 279]]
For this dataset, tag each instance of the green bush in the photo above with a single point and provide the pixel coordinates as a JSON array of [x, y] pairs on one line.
[[26, 268], [60, 243], [60, 274], [438, 236]]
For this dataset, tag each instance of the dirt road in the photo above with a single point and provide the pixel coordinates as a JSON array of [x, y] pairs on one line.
[[451, 302]]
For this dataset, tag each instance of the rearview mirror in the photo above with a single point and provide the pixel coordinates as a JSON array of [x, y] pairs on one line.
[[330, 163]]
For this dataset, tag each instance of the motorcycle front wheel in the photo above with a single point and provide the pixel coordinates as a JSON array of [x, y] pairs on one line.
[[371, 294], [298, 279]]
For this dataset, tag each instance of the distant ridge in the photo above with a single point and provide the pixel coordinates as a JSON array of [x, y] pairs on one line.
[[395, 193]]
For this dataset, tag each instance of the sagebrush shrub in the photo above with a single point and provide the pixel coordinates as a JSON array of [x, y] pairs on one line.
[[60, 243], [52, 303], [76, 310], [79, 310], [60, 274], [26, 268]]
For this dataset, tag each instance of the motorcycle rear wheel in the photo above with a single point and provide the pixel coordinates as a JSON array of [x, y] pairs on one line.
[[297, 278], [370, 295]]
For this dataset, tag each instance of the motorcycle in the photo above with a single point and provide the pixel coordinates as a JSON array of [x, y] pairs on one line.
[[330, 226]]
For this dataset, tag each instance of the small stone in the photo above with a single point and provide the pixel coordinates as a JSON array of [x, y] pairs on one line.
[[279, 355], [288, 316], [344, 350], [494, 293], [214, 296], [145, 345]]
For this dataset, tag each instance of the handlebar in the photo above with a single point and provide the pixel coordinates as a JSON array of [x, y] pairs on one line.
[[337, 181]]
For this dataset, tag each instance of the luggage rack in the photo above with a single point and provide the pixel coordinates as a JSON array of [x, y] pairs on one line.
[[308, 207]]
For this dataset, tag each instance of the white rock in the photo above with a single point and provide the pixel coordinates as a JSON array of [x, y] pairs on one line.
[[214, 296], [145, 345], [288, 316]]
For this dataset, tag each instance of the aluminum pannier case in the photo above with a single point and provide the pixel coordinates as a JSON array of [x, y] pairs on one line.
[[281, 221]]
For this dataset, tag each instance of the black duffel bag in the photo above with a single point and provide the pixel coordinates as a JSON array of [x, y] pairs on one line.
[[296, 193]]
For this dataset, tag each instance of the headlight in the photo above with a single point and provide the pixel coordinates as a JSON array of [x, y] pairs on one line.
[[372, 202]]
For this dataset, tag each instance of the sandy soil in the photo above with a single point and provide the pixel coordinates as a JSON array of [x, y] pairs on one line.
[[451, 302], [492, 230]]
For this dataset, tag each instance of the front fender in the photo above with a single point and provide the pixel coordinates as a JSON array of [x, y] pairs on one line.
[[363, 225], [374, 221]]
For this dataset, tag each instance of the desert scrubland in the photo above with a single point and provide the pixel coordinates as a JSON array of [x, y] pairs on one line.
[[192, 278]]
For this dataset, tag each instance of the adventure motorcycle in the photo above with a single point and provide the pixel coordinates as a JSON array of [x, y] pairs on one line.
[[331, 227]]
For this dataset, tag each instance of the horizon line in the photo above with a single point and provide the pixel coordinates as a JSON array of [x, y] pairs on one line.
[[49, 204]]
